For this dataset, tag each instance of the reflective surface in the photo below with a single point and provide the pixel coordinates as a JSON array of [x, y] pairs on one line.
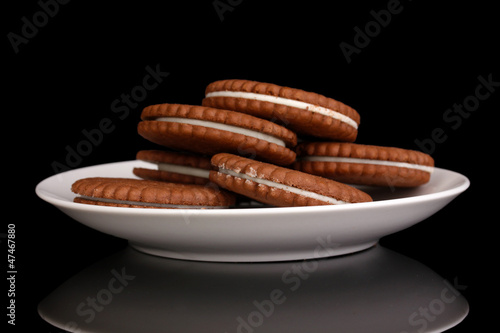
[[376, 290]]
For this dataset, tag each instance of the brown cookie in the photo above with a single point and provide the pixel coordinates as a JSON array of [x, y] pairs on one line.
[[174, 167], [210, 131], [364, 164], [139, 193], [279, 186], [303, 112]]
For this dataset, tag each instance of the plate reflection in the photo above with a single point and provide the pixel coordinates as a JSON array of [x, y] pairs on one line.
[[376, 290]]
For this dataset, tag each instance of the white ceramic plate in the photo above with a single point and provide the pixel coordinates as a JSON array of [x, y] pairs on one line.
[[254, 234]]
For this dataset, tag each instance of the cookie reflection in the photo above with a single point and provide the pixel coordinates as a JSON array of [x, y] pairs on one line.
[[376, 290]]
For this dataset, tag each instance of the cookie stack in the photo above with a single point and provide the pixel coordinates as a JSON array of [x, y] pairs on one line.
[[242, 141]]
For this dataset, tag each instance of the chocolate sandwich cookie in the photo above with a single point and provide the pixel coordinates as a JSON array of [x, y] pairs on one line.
[[364, 164], [174, 167], [210, 131], [279, 186], [303, 112], [139, 193]]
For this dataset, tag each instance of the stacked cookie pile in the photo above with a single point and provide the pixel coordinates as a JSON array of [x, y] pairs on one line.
[[243, 141]]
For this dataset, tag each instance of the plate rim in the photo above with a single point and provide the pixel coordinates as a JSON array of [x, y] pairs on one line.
[[65, 204]]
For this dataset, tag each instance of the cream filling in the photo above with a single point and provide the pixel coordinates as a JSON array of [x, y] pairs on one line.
[[367, 161], [182, 169], [148, 204], [224, 127], [287, 188], [287, 102]]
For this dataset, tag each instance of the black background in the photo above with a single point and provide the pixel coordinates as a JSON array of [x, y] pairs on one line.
[[65, 78]]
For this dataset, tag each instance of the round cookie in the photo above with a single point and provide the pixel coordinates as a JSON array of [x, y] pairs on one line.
[[139, 193], [174, 167], [279, 186], [210, 131], [303, 112], [364, 164]]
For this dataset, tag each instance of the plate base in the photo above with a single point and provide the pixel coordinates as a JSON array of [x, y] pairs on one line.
[[252, 256]]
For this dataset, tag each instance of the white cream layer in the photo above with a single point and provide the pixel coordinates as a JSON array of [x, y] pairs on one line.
[[182, 169], [367, 161], [287, 102], [148, 204], [224, 127], [291, 189]]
